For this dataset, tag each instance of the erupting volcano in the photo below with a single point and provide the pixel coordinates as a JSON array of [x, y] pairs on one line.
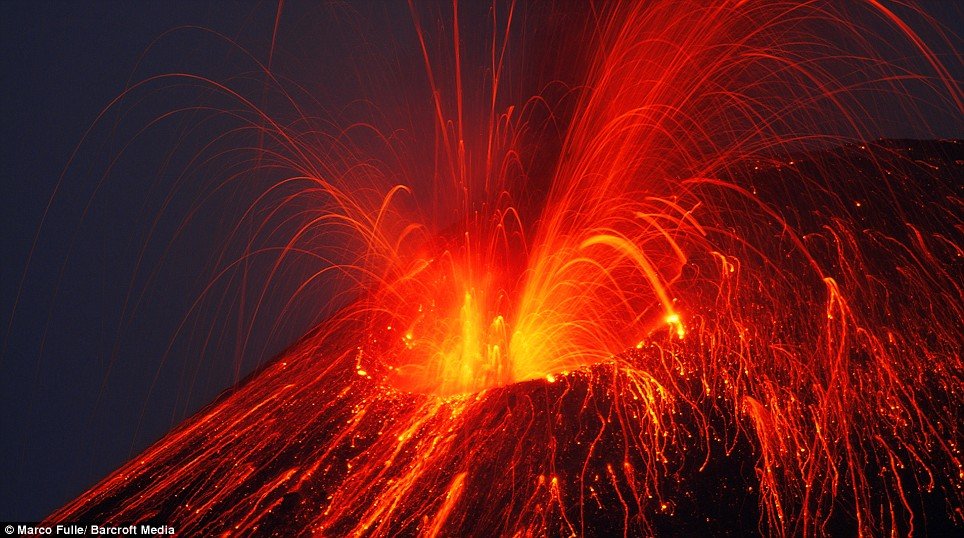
[[682, 292]]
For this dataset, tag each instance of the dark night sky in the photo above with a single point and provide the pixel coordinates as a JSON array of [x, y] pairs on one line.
[[69, 415]]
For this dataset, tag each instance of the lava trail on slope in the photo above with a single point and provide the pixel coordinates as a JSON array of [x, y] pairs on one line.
[[676, 436]]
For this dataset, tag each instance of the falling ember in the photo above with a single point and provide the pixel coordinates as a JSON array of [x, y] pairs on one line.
[[694, 326]]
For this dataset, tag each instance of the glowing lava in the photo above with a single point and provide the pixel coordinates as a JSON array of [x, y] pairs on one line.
[[790, 303]]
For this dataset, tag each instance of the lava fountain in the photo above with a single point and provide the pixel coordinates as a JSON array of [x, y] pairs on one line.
[[721, 310]]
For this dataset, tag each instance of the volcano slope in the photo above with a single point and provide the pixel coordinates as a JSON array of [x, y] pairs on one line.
[[746, 425]]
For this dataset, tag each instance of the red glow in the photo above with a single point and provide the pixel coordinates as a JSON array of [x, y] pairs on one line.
[[506, 372]]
